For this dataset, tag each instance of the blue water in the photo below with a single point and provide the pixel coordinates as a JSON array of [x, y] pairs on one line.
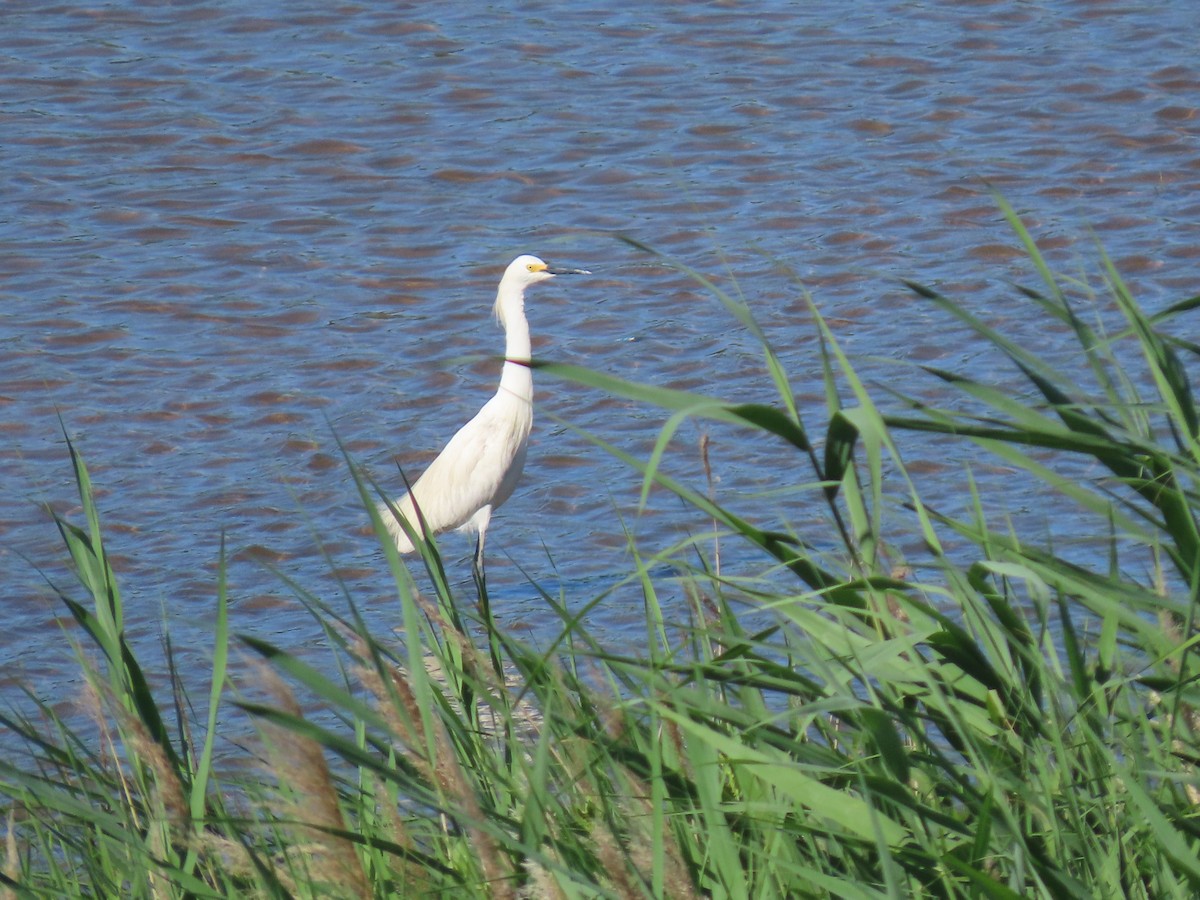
[[227, 238]]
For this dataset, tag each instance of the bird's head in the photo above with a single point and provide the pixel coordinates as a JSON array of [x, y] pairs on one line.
[[526, 270], [520, 274]]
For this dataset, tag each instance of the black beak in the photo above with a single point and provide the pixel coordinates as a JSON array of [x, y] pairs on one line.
[[558, 270]]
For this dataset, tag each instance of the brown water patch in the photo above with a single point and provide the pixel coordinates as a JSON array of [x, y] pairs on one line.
[[1177, 113], [1183, 251], [326, 147], [996, 252], [298, 445], [83, 337], [872, 126], [466, 176], [1137, 264], [266, 603], [321, 462]]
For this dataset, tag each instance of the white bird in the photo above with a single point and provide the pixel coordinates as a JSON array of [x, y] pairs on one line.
[[480, 466]]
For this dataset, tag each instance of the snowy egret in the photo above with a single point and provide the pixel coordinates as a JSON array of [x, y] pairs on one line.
[[478, 469]]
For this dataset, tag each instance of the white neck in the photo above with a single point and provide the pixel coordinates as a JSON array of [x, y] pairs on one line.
[[516, 376]]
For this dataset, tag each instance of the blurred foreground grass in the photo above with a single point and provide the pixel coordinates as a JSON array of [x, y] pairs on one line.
[[960, 735]]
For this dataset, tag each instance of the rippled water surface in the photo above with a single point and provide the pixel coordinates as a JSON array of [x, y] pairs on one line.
[[227, 237]]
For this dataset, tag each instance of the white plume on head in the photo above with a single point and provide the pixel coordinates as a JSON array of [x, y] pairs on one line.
[[520, 273]]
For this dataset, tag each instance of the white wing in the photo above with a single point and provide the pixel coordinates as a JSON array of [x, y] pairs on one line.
[[479, 467]]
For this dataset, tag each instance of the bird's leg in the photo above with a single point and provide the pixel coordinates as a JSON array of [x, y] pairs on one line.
[[477, 569], [481, 519], [485, 605]]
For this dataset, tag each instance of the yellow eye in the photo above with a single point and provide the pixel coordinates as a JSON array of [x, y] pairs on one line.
[[531, 267]]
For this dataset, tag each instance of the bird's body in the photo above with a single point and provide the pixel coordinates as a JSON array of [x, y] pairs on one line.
[[475, 472], [480, 466]]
